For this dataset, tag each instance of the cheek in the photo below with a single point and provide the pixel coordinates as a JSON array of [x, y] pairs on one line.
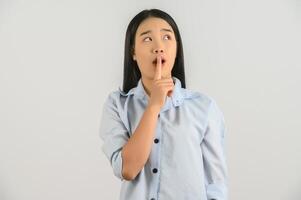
[[172, 49], [175, 49], [143, 63], [141, 53]]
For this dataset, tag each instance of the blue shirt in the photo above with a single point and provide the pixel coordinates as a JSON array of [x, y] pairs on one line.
[[187, 159]]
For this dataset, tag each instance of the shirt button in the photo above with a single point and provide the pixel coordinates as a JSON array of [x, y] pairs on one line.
[[155, 170], [156, 140]]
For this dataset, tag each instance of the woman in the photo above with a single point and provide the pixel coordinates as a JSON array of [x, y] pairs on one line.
[[162, 140]]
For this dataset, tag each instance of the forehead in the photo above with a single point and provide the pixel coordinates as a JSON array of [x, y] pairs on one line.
[[153, 23]]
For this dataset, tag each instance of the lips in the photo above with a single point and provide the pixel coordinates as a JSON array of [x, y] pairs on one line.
[[155, 61]]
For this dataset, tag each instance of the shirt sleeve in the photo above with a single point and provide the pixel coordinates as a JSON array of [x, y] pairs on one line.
[[113, 134], [214, 156]]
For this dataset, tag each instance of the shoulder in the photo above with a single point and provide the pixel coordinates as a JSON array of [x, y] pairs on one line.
[[201, 101], [116, 99], [197, 97], [114, 106], [117, 95], [112, 96]]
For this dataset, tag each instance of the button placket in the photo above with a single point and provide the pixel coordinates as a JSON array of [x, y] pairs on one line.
[[156, 162]]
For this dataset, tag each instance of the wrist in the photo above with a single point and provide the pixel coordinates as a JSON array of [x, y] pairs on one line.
[[154, 108]]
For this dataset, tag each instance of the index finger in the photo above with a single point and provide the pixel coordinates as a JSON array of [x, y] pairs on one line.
[[158, 69]]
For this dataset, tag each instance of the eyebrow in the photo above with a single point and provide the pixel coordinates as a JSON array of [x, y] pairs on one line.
[[149, 31]]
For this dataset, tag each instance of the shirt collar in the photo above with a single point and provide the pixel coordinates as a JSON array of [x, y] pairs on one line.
[[176, 99]]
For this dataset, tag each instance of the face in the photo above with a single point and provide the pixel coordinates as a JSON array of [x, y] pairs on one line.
[[155, 36]]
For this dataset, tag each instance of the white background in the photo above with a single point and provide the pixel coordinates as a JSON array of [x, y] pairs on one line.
[[60, 59]]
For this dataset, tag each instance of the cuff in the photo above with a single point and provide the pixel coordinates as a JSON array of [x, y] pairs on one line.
[[217, 190]]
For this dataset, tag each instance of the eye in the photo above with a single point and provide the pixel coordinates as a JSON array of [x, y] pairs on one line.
[[146, 38], [167, 36]]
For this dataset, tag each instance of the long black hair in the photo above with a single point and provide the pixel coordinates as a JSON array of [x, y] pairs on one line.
[[131, 72]]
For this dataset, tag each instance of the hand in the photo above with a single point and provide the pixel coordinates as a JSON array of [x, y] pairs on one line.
[[161, 87]]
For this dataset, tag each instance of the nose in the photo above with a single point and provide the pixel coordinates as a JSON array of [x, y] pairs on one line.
[[158, 50]]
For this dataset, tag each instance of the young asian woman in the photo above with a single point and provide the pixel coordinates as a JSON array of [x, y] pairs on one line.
[[163, 141]]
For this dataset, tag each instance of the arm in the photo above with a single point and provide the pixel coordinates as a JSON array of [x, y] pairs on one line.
[[127, 155], [136, 151], [214, 157], [113, 133]]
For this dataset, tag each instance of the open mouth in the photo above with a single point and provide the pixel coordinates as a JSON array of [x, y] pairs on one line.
[[155, 61]]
